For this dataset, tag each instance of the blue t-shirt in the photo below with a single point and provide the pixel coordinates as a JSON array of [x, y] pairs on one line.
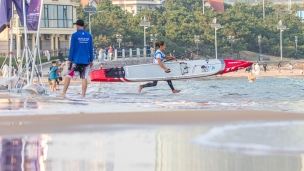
[[54, 73], [81, 49]]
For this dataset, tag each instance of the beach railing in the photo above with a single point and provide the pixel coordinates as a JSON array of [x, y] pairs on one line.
[[123, 54]]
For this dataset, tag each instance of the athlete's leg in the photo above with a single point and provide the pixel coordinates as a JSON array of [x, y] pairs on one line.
[[153, 84], [171, 86]]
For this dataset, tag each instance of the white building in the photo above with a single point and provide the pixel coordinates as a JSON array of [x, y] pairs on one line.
[[135, 6], [131, 6], [56, 29]]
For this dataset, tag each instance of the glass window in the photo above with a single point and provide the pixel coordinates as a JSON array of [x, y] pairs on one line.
[[60, 24], [52, 12], [69, 12], [57, 16], [60, 12]]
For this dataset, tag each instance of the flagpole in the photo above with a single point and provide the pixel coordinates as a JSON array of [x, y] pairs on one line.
[[11, 47], [25, 43], [36, 45]]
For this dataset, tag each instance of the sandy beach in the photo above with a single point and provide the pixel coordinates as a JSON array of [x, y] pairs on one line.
[[143, 141], [161, 139], [36, 124]]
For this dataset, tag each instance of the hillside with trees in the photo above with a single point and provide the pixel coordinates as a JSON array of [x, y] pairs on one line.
[[179, 20]]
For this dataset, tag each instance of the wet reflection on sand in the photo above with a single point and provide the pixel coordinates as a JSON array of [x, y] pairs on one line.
[[125, 148], [17, 104], [24, 153]]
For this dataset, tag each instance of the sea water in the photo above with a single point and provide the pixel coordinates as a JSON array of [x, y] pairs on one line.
[[220, 93]]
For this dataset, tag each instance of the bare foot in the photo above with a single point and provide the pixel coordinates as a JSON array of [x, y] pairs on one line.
[[175, 91], [62, 95], [140, 88]]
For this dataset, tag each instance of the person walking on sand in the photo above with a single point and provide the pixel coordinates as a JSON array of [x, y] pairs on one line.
[[100, 55], [47, 54], [159, 56], [265, 67], [110, 53], [257, 69], [291, 68], [279, 67], [80, 57]]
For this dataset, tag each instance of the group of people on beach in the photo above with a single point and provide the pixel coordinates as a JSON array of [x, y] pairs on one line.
[[255, 69], [81, 57], [105, 53]]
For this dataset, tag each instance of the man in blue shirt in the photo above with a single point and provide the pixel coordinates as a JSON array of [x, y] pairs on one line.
[[80, 57]]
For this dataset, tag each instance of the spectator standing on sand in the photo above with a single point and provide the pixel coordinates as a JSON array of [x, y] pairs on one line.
[[279, 67], [291, 68], [265, 67]]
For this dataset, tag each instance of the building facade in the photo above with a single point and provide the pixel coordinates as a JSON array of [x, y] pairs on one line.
[[131, 6], [56, 27], [135, 6], [283, 2]]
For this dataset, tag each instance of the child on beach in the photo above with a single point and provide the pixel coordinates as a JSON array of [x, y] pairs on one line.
[[54, 75], [251, 77]]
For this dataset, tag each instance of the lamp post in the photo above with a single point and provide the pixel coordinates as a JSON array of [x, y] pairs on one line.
[[203, 6], [215, 26], [91, 11], [263, 9], [125, 7], [119, 39], [231, 41], [260, 47], [153, 38], [90, 19], [260, 41], [296, 41], [281, 27], [145, 25], [196, 40]]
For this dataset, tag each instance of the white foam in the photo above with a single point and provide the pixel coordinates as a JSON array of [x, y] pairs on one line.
[[211, 138]]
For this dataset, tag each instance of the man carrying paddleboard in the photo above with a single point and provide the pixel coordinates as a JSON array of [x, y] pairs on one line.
[[159, 56]]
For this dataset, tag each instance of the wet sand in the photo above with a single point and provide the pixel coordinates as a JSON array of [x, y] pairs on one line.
[[268, 73], [38, 124], [142, 141], [94, 139]]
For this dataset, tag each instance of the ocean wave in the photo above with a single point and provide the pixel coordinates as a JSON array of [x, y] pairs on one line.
[[256, 138]]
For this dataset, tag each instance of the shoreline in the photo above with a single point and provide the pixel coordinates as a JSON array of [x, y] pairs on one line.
[[62, 123]]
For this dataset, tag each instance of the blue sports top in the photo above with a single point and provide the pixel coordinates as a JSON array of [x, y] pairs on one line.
[[158, 54], [81, 49]]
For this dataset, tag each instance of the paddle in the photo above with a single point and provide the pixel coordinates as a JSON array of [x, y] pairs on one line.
[[180, 56]]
